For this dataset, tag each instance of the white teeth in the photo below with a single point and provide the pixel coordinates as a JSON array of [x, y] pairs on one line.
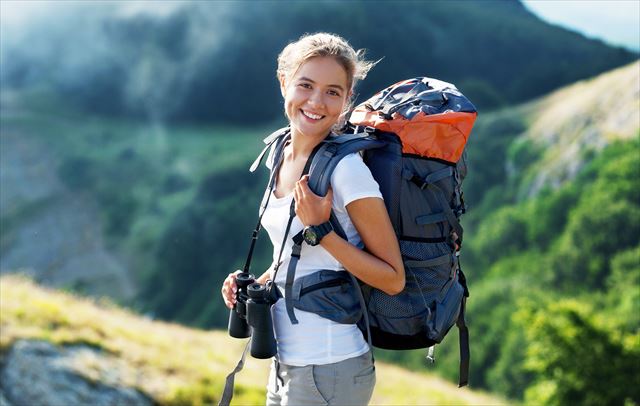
[[311, 115]]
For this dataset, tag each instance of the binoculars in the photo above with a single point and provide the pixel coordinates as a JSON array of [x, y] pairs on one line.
[[251, 316]]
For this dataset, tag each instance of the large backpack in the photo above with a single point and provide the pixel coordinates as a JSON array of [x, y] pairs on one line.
[[412, 136]]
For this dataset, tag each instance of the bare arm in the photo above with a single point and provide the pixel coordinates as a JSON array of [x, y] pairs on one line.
[[381, 265]]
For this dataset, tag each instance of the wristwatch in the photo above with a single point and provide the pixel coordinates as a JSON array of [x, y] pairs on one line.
[[313, 234]]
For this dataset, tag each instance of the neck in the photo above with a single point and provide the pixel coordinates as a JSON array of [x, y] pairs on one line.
[[302, 145]]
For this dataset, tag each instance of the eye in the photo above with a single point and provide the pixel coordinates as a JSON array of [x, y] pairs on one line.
[[305, 85], [333, 93]]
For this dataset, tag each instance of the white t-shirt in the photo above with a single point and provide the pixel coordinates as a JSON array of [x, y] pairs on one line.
[[316, 340]]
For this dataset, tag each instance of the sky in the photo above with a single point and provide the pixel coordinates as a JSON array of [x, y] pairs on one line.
[[614, 21]]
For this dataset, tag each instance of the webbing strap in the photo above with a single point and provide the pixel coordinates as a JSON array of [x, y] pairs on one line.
[[292, 214], [441, 260], [431, 218], [451, 217], [431, 354], [465, 354], [227, 393], [363, 305], [429, 183], [340, 231], [431, 178]]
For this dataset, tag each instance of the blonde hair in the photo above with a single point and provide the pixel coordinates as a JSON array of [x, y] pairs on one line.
[[308, 46]]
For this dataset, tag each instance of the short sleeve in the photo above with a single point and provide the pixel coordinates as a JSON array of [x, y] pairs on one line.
[[352, 180]]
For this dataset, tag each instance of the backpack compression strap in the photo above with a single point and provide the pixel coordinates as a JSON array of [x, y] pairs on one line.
[[429, 184]]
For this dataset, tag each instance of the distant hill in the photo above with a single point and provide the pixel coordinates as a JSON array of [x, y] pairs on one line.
[[546, 142], [74, 349], [215, 61]]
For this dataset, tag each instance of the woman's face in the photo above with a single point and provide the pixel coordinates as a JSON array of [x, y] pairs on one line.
[[315, 96]]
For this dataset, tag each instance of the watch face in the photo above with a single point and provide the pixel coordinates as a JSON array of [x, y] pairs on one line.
[[310, 236]]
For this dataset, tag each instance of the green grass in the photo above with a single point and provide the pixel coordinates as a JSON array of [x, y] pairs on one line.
[[178, 365]]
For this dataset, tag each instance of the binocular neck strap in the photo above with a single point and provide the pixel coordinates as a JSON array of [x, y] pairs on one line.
[[277, 162], [227, 393]]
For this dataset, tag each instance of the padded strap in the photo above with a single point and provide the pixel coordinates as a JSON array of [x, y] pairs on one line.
[[465, 354], [324, 163], [227, 393]]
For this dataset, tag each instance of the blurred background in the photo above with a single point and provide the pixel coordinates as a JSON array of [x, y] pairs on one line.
[[127, 130]]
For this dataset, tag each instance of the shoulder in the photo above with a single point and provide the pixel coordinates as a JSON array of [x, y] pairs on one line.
[[352, 180], [352, 161]]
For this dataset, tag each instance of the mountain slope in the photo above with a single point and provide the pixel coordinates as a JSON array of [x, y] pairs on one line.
[[168, 363], [212, 62], [516, 152], [576, 122]]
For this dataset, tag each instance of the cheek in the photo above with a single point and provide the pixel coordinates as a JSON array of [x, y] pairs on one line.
[[338, 106]]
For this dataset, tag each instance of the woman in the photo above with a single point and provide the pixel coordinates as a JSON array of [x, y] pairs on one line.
[[320, 361]]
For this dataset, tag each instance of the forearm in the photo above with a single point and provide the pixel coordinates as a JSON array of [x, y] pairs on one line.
[[265, 276], [367, 267]]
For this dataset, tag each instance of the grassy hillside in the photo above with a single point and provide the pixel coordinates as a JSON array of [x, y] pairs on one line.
[[179, 366]]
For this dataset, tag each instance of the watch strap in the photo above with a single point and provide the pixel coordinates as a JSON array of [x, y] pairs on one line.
[[322, 230]]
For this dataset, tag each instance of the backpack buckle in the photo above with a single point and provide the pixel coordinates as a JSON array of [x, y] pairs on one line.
[[421, 183]]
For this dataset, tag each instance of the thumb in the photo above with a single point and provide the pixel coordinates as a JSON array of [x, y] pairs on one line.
[[329, 195]]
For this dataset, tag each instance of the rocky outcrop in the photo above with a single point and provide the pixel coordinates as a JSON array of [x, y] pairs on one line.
[[39, 373]]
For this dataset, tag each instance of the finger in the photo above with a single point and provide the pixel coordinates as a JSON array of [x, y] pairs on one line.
[[303, 187], [296, 194]]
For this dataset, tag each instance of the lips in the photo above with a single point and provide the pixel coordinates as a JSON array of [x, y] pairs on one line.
[[312, 116]]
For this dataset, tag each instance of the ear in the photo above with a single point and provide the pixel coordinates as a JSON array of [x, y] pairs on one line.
[[349, 96], [283, 86]]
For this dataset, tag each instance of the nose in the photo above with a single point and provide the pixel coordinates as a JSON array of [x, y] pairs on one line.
[[315, 99]]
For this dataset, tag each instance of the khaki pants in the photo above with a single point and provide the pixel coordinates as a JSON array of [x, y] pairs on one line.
[[345, 383]]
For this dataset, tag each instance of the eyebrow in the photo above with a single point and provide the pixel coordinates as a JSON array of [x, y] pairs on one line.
[[312, 81]]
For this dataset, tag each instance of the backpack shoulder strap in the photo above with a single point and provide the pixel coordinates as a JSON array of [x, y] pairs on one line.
[[325, 162]]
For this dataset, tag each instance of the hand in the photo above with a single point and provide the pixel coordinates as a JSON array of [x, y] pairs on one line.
[[311, 209], [229, 289]]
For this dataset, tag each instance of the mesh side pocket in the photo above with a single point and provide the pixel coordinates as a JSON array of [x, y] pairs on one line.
[[410, 311]]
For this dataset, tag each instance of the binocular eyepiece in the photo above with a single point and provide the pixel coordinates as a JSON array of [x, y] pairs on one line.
[[251, 316]]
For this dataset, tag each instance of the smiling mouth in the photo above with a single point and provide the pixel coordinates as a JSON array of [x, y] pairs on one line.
[[312, 116]]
